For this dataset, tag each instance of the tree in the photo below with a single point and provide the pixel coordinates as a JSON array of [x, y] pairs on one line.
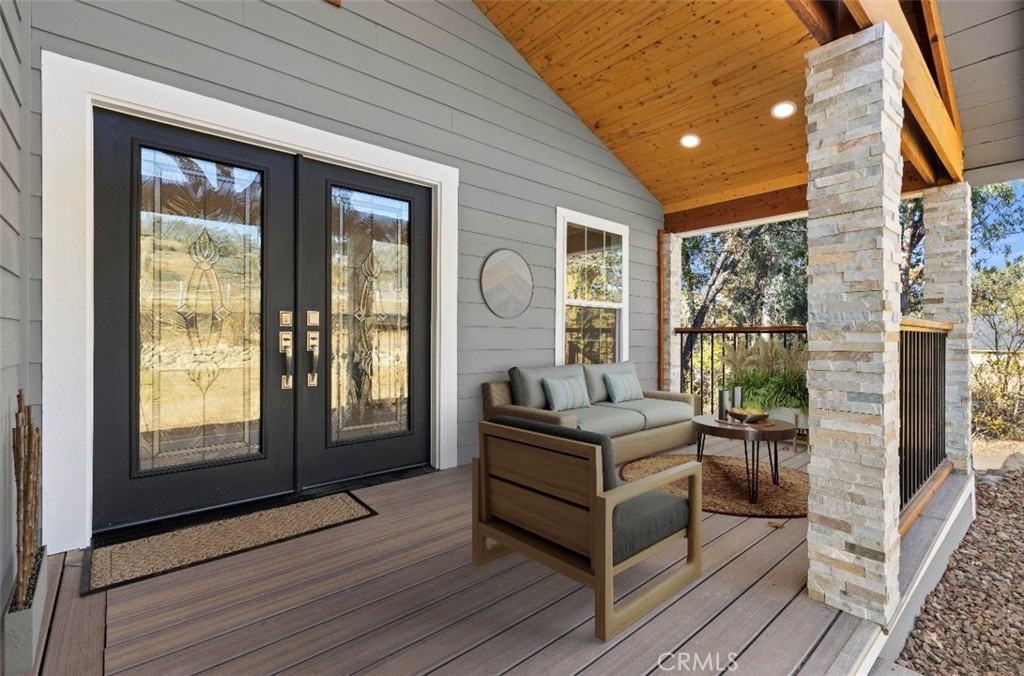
[[996, 214], [997, 307], [749, 276]]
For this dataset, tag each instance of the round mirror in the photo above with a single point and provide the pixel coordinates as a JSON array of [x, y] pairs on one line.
[[506, 283]]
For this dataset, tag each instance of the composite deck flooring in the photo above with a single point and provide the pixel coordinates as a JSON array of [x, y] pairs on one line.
[[397, 594]]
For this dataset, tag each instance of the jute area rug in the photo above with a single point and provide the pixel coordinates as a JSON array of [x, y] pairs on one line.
[[725, 485], [117, 564]]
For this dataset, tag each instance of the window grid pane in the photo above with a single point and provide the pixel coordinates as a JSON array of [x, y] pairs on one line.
[[591, 335]]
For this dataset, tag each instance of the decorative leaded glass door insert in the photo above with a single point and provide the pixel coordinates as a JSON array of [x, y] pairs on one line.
[[369, 360], [200, 283]]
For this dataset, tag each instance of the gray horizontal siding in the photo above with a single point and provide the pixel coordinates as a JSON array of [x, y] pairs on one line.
[[17, 306], [431, 79]]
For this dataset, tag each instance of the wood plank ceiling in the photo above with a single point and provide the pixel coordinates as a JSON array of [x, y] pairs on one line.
[[642, 73]]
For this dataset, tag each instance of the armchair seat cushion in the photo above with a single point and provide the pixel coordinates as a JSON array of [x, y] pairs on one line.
[[645, 521], [656, 412], [613, 422]]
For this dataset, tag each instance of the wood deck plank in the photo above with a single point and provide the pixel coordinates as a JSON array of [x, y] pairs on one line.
[[685, 615], [831, 645], [390, 621], [429, 561], [408, 600], [577, 610], [334, 545], [703, 604], [194, 599], [450, 482], [76, 635], [459, 630], [723, 639], [301, 632], [787, 642], [573, 609]]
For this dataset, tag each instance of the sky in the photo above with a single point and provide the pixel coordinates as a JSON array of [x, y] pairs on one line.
[[1016, 242]]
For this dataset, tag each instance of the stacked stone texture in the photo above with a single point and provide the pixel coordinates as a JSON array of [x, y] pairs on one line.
[[854, 117], [947, 298], [671, 310]]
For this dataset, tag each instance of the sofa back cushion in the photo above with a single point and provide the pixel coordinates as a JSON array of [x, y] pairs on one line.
[[527, 389], [594, 374], [565, 393], [623, 387]]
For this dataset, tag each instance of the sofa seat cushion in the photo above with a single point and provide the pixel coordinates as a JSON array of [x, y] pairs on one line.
[[656, 412], [645, 521], [611, 422], [527, 389]]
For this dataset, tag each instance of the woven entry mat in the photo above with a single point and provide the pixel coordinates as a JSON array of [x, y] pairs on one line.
[[117, 564], [725, 485]]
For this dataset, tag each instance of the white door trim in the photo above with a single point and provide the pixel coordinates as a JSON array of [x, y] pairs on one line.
[[70, 90]]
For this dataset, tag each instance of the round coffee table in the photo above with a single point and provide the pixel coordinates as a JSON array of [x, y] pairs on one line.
[[771, 432]]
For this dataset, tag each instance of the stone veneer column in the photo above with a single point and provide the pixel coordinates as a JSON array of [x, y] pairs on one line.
[[671, 309], [854, 116], [947, 298]]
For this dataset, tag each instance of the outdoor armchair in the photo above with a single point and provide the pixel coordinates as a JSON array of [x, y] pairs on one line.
[[552, 494]]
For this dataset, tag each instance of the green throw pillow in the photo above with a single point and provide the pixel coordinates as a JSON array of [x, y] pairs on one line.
[[623, 387], [565, 393]]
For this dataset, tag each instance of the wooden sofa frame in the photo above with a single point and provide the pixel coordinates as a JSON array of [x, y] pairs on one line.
[[543, 496]]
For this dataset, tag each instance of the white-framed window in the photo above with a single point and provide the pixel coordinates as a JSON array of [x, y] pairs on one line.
[[592, 289]]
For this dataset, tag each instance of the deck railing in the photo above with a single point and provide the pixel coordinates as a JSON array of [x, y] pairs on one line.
[[704, 371], [922, 385], [922, 403]]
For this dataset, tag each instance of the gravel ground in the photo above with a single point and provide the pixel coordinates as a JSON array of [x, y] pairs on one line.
[[973, 622]]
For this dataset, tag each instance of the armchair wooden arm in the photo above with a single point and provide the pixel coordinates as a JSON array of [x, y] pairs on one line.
[[542, 495], [663, 478]]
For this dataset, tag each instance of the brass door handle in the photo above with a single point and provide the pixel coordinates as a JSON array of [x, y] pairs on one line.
[[313, 347], [285, 345]]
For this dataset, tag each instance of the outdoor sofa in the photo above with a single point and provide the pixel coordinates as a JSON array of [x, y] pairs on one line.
[[644, 425]]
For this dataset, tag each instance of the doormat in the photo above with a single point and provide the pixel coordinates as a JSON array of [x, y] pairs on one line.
[[117, 564], [725, 485]]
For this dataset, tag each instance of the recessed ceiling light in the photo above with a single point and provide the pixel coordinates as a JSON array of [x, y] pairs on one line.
[[689, 141], [783, 109]]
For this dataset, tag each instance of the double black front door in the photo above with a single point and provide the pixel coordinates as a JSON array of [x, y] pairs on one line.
[[261, 327]]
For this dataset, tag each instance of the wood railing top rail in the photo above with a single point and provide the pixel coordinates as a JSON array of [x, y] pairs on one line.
[[742, 329], [906, 324], [927, 325]]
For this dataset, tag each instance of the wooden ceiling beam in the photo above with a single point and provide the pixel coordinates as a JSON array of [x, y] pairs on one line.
[[819, 16], [933, 25], [915, 149], [779, 203], [920, 92]]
